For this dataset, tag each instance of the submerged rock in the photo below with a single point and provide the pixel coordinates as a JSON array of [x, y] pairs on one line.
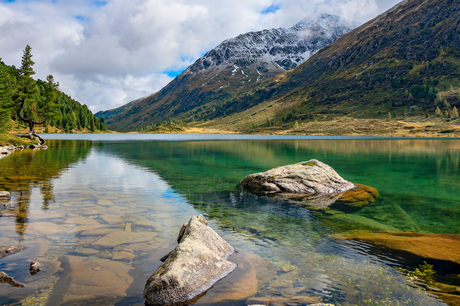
[[7, 250], [359, 196], [431, 246], [35, 267], [311, 183], [197, 263], [5, 278], [241, 284], [94, 280]]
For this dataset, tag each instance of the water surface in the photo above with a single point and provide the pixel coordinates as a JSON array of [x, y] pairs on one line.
[[75, 203]]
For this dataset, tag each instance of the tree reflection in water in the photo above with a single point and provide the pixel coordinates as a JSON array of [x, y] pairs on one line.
[[22, 172]]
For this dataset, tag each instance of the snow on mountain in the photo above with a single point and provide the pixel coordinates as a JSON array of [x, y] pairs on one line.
[[275, 49]]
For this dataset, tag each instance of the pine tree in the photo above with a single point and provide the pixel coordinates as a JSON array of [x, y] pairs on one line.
[[25, 91], [389, 116], [29, 108], [437, 112], [454, 113], [49, 108]]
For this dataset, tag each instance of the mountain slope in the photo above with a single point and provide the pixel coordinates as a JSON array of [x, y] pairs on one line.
[[109, 114], [405, 60], [236, 66]]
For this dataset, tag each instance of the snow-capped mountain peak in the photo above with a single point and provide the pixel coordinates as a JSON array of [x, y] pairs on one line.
[[275, 50]]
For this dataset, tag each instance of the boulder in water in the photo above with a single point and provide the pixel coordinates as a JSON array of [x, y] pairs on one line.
[[312, 183], [197, 263]]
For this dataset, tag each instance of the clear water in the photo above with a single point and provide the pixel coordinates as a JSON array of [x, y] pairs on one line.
[[69, 197]]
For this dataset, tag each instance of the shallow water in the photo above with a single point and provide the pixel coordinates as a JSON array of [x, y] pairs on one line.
[[100, 213]]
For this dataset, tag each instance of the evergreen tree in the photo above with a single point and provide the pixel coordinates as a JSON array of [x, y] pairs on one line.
[[49, 108], [25, 91], [437, 112], [6, 104], [389, 116], [454, 113]]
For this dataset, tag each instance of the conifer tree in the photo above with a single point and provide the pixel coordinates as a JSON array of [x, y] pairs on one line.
[[49, 108], [454, 113], [437, 112], [6, 104], [45, 108], [25, 90]]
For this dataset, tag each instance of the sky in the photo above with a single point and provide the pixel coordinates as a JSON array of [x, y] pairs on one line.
[[107, 53]]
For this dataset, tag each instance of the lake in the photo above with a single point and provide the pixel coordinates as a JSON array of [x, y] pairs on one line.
[[68, 201]]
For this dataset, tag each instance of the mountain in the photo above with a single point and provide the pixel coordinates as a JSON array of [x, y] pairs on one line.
[[407, 60], [109, 114], [216, 84]]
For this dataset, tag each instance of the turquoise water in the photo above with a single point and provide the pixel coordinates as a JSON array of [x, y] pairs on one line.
[[67, 198]]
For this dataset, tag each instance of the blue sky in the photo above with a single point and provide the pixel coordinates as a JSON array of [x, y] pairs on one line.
[[107, 53]]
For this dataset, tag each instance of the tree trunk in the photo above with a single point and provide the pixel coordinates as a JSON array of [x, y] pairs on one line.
[[31, 134]]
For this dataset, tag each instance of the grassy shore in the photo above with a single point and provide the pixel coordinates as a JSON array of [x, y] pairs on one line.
[[345, 126], [7, 139]]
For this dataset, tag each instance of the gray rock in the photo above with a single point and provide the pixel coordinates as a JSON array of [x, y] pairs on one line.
[[5, 195], [7, 250], [35, 267], [197, 263], [5, 278], [308, 178], [7, 149]]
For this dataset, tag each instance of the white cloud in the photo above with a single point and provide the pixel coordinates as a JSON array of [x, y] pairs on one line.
[[107, 55]]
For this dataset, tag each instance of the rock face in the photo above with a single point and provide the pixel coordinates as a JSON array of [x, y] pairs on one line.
[[308, 178], [192, 267]]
